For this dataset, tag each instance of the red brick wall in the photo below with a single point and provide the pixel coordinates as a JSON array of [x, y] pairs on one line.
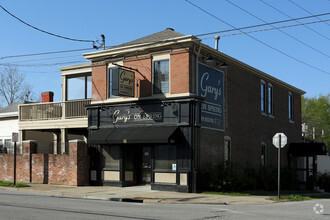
[[99, 83], [179, 72], [71, 169], [144, 65]]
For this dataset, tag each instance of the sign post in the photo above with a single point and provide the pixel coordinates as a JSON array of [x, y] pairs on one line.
[[279, 141], [14, 138]]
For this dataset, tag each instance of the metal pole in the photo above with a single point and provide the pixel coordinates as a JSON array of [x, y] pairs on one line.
[[279, 168], [15, 163]]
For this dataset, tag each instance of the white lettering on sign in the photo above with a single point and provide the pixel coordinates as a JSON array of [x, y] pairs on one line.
[[209, 89], [124, 117], [116, 117]]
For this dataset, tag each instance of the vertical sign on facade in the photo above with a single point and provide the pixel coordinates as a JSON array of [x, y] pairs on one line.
[[210, 87], [126, 83]]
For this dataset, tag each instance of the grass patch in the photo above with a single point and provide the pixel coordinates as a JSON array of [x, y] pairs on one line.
[[290, 198], [11, 184]]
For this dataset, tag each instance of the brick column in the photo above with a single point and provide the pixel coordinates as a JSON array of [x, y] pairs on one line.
[[24, 162], [79, 163]]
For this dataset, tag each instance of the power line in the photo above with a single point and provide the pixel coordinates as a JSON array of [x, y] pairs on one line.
[[45, 53], [283, 53], [295, 20], [46, 64], [260, 25], [269, 29], [289, 35], [50, 58], [304, 9], [46, 32]]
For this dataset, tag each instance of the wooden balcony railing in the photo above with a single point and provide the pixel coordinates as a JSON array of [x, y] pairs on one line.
[[53, 110]]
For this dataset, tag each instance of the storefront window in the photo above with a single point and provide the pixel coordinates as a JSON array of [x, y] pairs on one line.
[[165, 157], [111, 157], [161, 77]]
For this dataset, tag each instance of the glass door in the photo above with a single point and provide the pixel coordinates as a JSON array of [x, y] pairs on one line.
[[145, 165]]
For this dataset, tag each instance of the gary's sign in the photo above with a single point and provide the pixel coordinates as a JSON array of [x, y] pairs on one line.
[[126, 83], [210, 87]]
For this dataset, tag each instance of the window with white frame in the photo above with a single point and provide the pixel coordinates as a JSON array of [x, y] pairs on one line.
[[79, 86], [290, 99], [270, 99], [263, 96], [161, 77], [113, 89]]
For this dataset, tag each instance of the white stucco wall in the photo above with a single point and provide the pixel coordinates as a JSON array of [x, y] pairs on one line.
[[7, 127]]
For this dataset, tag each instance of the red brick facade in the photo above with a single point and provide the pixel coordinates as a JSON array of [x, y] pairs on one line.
[[71, 169], [99, 83]]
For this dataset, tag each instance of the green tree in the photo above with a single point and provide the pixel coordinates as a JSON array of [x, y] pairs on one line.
[[316, 112]]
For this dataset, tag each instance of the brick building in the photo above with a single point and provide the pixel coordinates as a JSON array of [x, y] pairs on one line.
[[162, 108], [189, 105]]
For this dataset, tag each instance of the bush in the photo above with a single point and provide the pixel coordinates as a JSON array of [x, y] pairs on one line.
[[323, 181], [235, 178]]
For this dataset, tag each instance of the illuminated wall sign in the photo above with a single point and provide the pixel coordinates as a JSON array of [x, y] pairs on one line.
[[126, 83], [210, 87]]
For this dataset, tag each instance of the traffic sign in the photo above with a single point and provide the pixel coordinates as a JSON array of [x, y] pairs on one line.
[[280, 139], [14, 137]]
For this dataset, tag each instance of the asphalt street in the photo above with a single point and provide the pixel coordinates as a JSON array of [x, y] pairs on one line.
[[25, 205]]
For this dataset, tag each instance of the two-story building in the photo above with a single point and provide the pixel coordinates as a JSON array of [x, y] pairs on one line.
[[162, 107]]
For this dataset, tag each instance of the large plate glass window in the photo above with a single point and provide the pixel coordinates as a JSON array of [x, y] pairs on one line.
[[165, 157], [79, 87]]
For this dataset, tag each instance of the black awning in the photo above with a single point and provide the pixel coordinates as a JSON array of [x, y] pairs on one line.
[[131, 135], [307, 149]]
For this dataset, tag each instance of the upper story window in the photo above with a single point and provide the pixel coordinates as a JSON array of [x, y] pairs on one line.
[[161, 77], [290, 98], [263, 96], [79, 86], [113, 89], [227, 151], [270, 99], [263, 154]]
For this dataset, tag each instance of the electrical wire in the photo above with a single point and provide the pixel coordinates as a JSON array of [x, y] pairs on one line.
[[304, 9], [45, 53], [43, 31], [311, 29], [260, 25], [256, 39], [269, 29], [289, 35], [46, 64]]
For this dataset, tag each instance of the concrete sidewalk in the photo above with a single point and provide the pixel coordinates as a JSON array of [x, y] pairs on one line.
[[142, 194]]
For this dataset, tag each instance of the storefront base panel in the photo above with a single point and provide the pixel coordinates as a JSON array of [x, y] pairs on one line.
[[169, 187], [112, 183]]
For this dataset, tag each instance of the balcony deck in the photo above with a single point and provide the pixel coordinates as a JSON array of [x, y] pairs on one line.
[[54, 115]]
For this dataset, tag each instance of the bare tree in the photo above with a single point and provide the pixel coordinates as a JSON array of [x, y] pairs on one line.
[[13, 88]]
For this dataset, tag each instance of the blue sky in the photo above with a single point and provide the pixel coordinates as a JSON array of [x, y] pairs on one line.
[[126, 20]]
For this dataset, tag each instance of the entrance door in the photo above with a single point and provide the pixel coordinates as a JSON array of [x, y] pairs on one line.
[[145, 165]]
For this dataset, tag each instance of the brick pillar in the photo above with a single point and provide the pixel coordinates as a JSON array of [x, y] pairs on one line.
[[79, 163], [29, 147], [24, 162], [47, 96]]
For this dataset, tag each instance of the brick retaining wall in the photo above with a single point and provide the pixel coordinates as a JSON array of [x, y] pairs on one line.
[[67, 169]]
